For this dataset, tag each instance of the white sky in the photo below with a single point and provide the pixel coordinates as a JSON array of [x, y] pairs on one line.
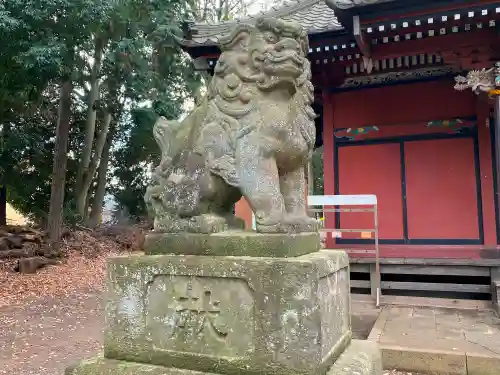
[[261, 5]]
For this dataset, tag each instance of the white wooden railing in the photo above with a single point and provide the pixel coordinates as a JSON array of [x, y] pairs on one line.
[[334, 203]]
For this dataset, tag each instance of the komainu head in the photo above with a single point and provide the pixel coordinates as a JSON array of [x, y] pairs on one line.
[[270, 54]]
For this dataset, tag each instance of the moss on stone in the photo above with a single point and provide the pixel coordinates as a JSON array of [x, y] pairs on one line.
[[233, 243], [283, 315], [102, 366], [360, 357]]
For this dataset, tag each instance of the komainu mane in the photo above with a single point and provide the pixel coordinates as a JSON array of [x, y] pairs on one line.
[[251, 136]]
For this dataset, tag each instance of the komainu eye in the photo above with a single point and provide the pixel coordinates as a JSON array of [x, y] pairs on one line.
[[270, 37]]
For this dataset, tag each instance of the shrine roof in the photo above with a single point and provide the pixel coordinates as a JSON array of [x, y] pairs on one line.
[[314, 15], [348, 4]]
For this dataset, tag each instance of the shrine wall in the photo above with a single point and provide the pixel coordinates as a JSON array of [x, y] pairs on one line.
[[408, 104]]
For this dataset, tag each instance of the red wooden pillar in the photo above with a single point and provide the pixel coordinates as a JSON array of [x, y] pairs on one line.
[[243, 211], [329, 162], [496, 107], [485, 165]]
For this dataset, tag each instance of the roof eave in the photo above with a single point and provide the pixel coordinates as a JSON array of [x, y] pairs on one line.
[[190, 45], [350, 4]]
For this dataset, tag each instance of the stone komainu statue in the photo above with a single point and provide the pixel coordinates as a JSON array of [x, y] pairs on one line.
[[251, 136]]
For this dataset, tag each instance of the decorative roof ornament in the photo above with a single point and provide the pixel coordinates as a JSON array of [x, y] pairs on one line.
[[484, 80], [347, 4]]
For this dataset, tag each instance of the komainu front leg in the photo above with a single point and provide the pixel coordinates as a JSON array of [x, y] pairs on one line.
[[259, 182], [293, 188]]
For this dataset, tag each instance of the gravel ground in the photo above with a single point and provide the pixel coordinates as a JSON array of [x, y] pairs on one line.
[[53, 319]]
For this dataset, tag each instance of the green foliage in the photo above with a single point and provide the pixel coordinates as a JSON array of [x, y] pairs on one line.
[[164, 80], [318, 171], [144, 74], [39, 41], [44, 40], [28, 151]]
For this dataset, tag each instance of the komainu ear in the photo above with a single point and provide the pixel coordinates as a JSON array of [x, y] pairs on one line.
[[238, 39]]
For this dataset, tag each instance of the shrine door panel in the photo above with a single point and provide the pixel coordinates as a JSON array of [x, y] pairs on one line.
[[441, 189], [372, 169]]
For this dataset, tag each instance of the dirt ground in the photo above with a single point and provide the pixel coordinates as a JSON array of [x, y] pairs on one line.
[[54, 319], [44, 336], [48, 334]]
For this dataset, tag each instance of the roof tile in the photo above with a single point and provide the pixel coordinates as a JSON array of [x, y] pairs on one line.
[[314, 15]]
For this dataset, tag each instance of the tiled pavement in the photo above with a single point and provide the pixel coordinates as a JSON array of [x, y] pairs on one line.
[[439, 340], [442, 329]]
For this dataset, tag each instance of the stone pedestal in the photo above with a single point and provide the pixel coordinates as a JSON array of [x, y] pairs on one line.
[[191, 314], [235, 243]]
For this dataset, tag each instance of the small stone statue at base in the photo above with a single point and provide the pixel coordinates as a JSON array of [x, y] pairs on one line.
[[251, 136]]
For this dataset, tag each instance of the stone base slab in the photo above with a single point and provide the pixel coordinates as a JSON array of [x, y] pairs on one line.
[[442, 341], [495, 296], [103, 366], [360, 358], [233, 243], [230, 315]]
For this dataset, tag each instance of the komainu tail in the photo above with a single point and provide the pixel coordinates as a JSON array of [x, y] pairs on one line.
[[173, 136]]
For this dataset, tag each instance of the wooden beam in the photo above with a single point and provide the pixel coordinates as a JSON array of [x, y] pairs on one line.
[[427, 10], [417, 286], [360, 37], [361, 268], [436, 287], [435, 44], [361, 284], [435, 270], [424, 302], [408, 269], [429, 261]]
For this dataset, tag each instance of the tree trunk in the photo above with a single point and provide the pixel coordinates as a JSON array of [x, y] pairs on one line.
[[90, 125], [3, 205], [92, 169], [6, 165], [54, 224], [97, 203], [87, 203]]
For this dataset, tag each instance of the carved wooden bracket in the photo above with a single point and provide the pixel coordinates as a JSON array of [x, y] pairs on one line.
[[360, 36], [363, 45]]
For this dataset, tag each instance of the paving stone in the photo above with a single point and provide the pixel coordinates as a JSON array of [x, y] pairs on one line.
[[482, 365], [424, 361], [441, 341]]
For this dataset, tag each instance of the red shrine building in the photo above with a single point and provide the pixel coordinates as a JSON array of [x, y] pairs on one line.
[[392, 124]]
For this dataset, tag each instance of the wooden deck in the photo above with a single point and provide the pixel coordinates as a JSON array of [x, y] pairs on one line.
[[491, 254], [457, 272]]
